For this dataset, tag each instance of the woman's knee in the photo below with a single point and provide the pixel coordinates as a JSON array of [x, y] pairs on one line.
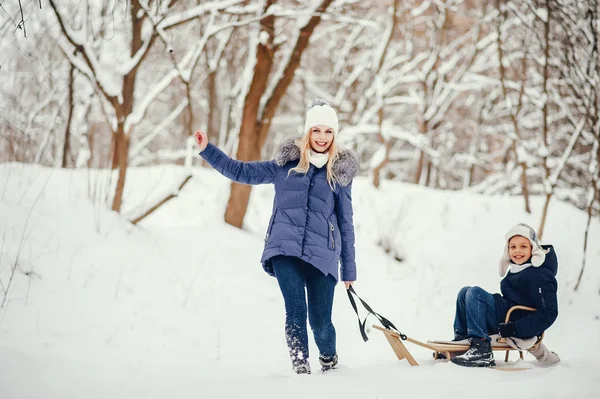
[[295, 309], [320, 321]]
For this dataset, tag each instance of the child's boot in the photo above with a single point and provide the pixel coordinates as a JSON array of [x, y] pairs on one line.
[[479, 355]]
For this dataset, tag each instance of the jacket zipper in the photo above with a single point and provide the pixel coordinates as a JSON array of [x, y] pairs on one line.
[[332, 235], [542, 297]]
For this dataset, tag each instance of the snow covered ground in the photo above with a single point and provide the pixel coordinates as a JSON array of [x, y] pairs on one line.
[[180, 307]]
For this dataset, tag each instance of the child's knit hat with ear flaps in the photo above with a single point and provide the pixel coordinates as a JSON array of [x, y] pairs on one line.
[[538, 255]]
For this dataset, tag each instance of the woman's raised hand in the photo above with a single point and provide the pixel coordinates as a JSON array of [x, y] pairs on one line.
[[201, 140]]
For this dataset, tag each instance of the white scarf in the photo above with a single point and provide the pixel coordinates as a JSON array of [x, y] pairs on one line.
[[318, 159], [519, 268]]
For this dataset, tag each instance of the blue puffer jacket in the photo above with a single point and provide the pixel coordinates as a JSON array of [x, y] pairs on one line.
[[534, 287], [310, 220]]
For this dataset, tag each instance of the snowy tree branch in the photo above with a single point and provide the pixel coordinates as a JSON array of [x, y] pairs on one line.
[[110, 92]]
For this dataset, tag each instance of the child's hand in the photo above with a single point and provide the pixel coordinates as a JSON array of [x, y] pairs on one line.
[[201, 140]]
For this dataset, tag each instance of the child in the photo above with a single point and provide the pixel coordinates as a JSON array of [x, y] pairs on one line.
[[530, 282]]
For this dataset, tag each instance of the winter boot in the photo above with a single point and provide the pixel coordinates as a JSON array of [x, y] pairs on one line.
[[459, 337], [301, 367], [543, 355], [479, 355], [328, 362]]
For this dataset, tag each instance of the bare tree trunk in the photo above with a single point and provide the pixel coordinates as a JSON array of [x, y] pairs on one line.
[[67, 142], [419, 168], [549, 190], [428, 173], [190, 111], [544, 215], [122, 155], [525, 187], [595, 195], [377, 170], [255, 125], [272, 103], [248, 148], [113, 152], [385, 141], [423, 127], [214, 114], [471, 175], [90, 140], [513, 113], [124, 109], [473, 150], [595, 188], [590, 213], [213, 128]]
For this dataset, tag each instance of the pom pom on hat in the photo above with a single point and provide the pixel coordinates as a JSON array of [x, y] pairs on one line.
[[538, 255]]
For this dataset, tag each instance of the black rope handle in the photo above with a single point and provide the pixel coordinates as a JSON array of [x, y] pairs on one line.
[[361, 324]]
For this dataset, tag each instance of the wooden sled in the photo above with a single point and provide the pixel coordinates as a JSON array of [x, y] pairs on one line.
[[447, 348]]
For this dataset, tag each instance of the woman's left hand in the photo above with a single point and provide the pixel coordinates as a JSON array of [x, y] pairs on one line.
[[348, 284]]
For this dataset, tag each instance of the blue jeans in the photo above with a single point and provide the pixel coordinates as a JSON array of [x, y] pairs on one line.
[[475, 314], [293, 276]]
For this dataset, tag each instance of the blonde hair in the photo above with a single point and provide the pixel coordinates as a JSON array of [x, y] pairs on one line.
[[304, 163]]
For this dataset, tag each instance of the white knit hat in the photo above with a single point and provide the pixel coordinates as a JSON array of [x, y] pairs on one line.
[[321, 114], [538, 255]]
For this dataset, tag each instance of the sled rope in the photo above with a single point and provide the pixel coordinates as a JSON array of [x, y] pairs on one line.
[[361, 324]]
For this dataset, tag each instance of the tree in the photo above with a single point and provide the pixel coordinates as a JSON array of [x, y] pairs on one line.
[[262, 100], [116, 82], [577, 38]]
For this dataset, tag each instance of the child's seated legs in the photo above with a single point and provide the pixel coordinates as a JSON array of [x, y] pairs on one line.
[[475, 314]]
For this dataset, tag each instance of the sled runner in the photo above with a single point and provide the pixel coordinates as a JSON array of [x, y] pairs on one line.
[[446, 349]]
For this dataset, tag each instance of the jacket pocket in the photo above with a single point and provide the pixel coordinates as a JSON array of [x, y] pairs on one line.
[[542, 301], [271, 222], [331, 235]]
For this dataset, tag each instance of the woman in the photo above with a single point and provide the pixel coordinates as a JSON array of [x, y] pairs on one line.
[[310, 230]]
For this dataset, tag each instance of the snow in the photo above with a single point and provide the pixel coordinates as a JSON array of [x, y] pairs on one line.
[[522, 154], [378, 157], [543, 151], [193, 12], [421, 9], [263, 38], [179, 306]]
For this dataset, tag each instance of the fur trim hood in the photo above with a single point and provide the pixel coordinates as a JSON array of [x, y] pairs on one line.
[[346, 167]]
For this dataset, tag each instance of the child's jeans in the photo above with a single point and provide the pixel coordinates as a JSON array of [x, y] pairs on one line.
[[475, 314]]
